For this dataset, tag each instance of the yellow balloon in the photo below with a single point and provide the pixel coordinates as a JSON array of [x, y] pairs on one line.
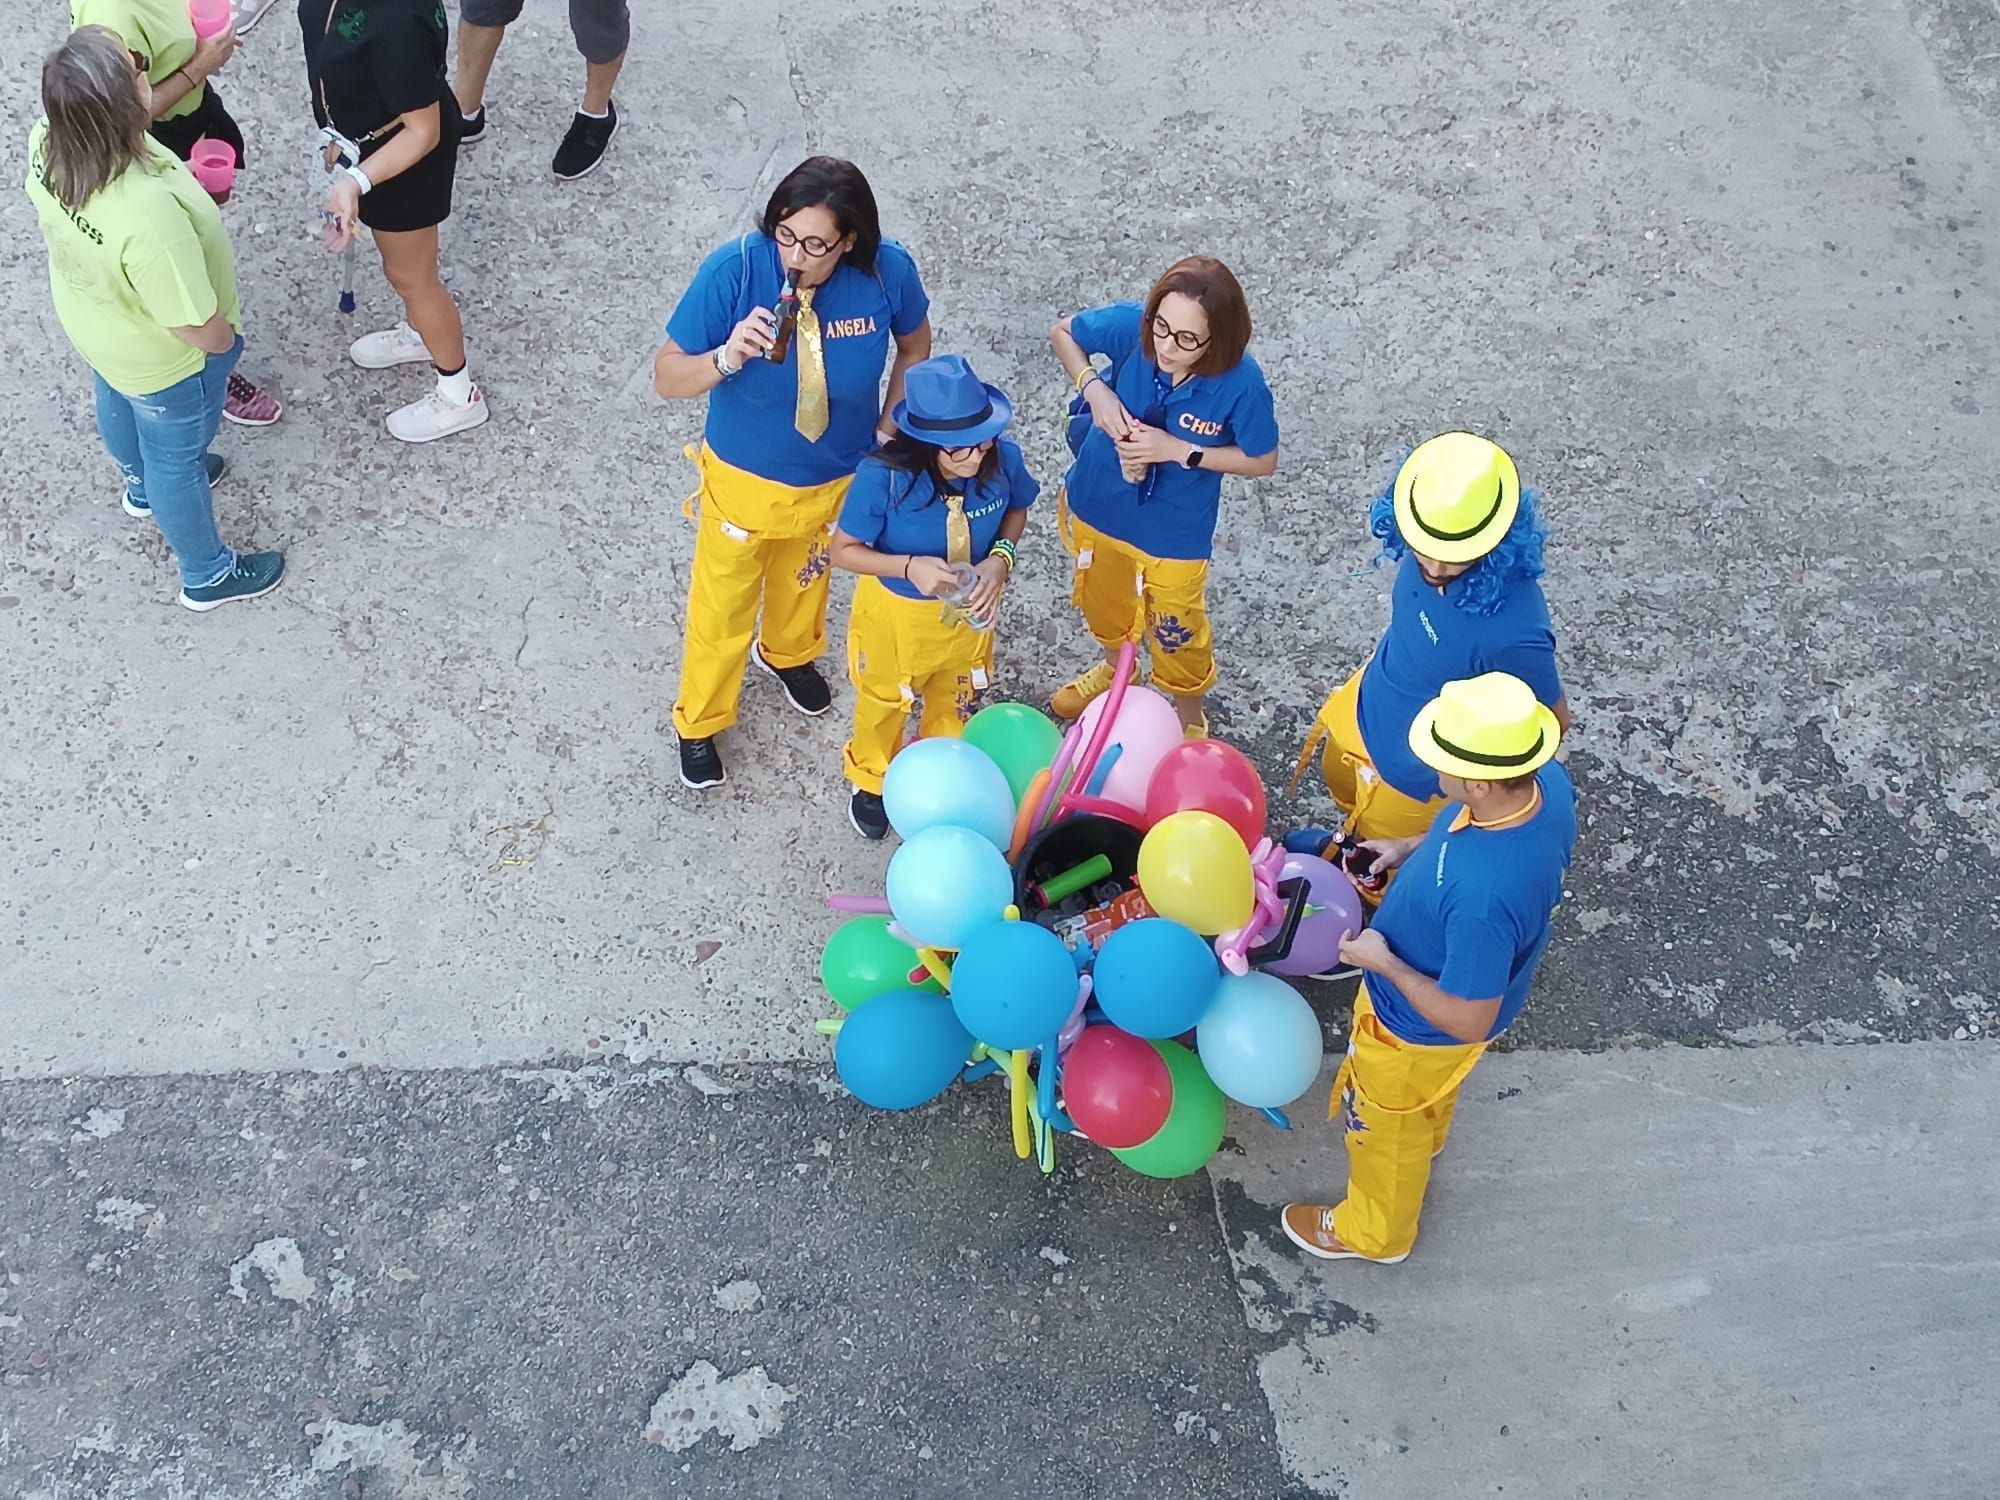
[[1194, 869]]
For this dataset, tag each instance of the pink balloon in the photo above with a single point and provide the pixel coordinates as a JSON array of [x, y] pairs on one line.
[[1145, 730], [1336, 917]]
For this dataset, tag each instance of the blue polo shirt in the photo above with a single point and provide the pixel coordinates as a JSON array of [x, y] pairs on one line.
[[1232, 409], [1431, 641], [1472, 908], [751, 415], [896, 512]]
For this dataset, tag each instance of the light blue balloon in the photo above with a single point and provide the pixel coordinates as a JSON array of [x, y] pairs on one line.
[[937, 783], [1013, 985], [1154, 978], [946, 883], [1260, 1040], [900, 1050]]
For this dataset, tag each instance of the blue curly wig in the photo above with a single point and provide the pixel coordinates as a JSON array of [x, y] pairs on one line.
[[1481, 588]]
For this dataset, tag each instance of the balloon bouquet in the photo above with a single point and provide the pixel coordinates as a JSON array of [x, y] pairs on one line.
[[1067, 911]]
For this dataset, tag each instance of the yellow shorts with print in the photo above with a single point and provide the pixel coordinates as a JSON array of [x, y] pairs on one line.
[[1125, 595], [901, 651]]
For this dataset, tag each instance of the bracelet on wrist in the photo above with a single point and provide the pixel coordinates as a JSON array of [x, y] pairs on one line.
[[1004, 550], [192, 83], [907, 560], [720, 358], [361, 179], [1084, 376]]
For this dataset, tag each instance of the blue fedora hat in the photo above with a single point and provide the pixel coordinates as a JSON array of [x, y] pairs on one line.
[[946, 404]]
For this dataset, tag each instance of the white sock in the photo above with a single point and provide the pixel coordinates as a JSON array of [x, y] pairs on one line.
[[593, 114], [457, 389]]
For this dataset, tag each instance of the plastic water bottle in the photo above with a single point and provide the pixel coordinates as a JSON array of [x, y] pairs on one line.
[[968, 580]]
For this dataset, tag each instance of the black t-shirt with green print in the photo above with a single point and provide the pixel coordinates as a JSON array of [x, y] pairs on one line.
[[372, 60]]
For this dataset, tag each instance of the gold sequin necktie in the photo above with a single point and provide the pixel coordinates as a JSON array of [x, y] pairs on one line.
[[957, 545], [957, 530], [811, 418]]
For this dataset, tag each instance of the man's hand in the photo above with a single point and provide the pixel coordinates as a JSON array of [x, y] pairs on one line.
[[1369, 950], [1390, 853]]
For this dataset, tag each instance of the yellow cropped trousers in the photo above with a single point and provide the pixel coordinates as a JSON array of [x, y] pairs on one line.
[[1395, 1100], [1375, 809], [900, 651], [761, 550]]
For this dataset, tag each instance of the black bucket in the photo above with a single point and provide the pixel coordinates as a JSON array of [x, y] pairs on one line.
[[1063, 846]]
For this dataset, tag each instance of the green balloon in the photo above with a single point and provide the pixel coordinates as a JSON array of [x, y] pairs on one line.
[[1020, 740], [1193, 1128], [862, 960]]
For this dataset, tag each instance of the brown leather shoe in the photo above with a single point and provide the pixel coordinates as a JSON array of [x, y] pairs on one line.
[[1310, 1227]]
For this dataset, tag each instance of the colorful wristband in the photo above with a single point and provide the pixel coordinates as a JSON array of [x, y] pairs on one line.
[[1004, 548], [1084, 376]]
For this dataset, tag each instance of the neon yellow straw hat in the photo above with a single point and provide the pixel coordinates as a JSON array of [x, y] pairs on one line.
[[1485, 729], [1455, 497]]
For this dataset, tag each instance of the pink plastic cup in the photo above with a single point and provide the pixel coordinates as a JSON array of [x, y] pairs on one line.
[[209, 16], [214, 166]]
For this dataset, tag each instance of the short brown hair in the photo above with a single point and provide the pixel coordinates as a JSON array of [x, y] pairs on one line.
[[1213, 285], [97, 121]]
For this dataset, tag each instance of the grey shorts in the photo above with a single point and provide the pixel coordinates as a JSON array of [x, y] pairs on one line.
[[603, 28]]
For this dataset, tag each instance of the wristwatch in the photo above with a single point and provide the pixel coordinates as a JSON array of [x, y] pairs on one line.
[[1193, 460]]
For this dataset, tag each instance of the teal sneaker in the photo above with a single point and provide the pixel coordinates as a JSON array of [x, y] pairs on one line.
[[139, 508], [254, 576]]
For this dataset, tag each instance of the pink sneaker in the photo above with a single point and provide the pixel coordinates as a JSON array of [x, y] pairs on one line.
[[250, 405]]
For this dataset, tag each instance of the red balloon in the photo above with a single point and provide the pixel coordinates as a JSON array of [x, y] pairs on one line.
[[1208, 776], [1116, 1087]]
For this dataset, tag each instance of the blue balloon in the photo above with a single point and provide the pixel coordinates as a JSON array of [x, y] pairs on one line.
[[947, 783], [946, 883], [1013, 985], [1260, 1040], [900, 1050], [1155, 978]]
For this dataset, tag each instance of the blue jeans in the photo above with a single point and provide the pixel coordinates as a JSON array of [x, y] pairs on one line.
[[161, 442]]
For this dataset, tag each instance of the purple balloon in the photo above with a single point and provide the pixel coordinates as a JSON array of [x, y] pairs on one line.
[[1336, 916]]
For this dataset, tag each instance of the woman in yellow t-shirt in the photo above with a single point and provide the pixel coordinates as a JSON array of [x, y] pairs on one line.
[[187, 107], [145, 287]]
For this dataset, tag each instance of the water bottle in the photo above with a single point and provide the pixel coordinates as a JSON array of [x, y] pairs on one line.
[[968, 580]]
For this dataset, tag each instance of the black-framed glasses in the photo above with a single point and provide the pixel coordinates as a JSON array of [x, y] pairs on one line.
[[1185, 337], [812, 244], [957, 454], [142, 63]]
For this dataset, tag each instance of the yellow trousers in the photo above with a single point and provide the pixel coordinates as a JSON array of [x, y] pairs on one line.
[[1128, 595], [1395, 1101], [900, 651], [1375, 809], [761, 546]]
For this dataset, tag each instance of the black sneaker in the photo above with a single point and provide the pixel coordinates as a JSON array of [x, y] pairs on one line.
[[475, 128], [254, 576], [869, 817], [583, 147], [216, 465], [701, 764], [806, 689]]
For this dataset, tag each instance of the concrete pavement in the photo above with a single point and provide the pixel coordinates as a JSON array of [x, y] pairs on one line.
[[301, 884]]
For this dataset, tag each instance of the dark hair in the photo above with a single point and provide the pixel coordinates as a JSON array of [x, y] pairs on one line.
[[908, 455], [97, 121], [837, 186], [1212, 284]]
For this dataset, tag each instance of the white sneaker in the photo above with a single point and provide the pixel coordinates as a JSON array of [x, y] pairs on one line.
[[392, 346], [434, 417]]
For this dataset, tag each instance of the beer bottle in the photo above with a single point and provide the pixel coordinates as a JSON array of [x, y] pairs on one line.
[[787, 311]]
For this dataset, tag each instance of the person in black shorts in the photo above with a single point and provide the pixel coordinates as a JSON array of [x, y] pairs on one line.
[[377, 69]]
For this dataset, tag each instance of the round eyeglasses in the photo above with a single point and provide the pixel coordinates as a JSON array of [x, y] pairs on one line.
[[1185, 338], [812, 244]]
